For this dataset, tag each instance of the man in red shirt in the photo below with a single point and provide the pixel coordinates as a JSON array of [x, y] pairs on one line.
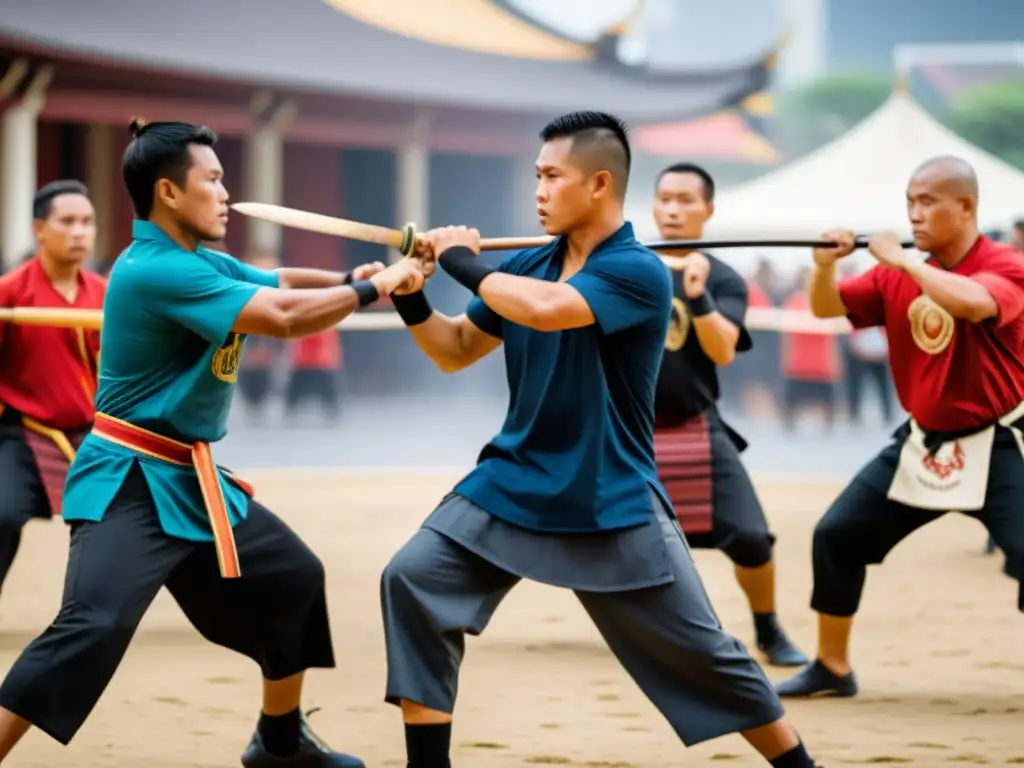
[[47, 375], [955, 325], [316, 363], [810, 364]]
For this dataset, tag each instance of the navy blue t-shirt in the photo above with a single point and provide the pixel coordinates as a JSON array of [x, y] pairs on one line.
[[576, 452]]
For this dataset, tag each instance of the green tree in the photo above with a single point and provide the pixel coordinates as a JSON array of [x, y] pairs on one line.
[[992, 117], [823, 110]]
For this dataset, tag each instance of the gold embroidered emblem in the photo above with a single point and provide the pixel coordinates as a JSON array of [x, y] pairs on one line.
[[931, 326], [227, 358], [678, 326]]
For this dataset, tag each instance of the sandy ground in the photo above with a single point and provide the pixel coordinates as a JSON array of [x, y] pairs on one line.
[[938, 648]]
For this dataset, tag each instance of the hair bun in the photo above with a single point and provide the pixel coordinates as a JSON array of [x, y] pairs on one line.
[[137, 126]]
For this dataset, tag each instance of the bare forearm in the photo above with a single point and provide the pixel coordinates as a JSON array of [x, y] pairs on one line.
[[290, 277], [824, 293], [440, 339], [522, 300], [717, 337], [310, 311], [959, 295]]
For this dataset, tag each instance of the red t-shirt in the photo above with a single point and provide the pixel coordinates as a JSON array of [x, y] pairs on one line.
[[321, 351], [809, 356], [756, 297], [46, 373], [949, 373]]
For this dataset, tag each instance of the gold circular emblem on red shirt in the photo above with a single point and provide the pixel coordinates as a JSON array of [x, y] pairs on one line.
[[931, 326]]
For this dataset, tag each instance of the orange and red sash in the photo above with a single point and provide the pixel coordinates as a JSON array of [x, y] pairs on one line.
[[196, 455]]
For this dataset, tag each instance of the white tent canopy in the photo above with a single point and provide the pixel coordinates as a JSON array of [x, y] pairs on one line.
[[859, 181]]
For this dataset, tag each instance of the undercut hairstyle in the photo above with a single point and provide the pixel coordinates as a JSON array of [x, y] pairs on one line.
[[159, 151], [600, 142], [706, 181], [42, 203]]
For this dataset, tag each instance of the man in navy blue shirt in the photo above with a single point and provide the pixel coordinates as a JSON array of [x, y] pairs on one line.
[[567, 494]]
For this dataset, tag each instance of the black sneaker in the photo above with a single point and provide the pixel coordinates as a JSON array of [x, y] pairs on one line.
[[312, 753], [817, 680]]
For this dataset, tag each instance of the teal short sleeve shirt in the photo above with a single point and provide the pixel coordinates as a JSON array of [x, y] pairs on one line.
[[169, 363]]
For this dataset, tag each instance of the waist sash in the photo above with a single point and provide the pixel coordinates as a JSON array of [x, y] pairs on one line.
[[949, 471], [53, 451], [198, 456], [683, 457]]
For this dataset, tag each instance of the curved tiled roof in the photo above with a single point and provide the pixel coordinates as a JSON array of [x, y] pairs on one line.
[[310, 45], [483, 27]]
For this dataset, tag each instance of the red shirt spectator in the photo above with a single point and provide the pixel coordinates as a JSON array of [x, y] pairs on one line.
[[809, 356]]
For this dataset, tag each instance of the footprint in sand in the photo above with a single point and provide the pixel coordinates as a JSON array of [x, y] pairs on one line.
[[223, 680], [483, 745], [547, 760], [172, 700], [951, 653], [999, 665], [217, 711], [878, 700]]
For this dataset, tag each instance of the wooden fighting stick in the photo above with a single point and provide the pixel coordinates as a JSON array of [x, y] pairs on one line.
[[767, 318], [53, 317], [404, 239]]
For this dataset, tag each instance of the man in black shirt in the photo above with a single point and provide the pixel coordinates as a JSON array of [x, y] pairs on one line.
[[697, 453]]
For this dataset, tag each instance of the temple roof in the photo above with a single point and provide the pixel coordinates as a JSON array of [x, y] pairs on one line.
[[494, 60]]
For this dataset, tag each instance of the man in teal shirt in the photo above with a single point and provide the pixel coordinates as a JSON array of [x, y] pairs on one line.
[[146, 505]]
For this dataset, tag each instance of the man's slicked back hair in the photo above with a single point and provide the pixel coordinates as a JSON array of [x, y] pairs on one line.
[[42, 203], [599, 140], [159, 151], [696, 170]]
